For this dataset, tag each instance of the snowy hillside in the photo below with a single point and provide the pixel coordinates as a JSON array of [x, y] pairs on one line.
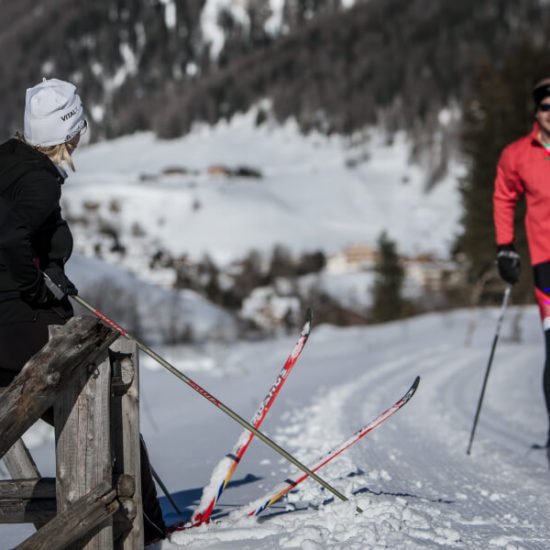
[[129, 301], [411, 476], [312, 193]]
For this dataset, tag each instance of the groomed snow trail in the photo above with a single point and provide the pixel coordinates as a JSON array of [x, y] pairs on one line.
[[412, 476]]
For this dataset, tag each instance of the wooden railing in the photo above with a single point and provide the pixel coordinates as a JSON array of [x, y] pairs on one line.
[[90, 379]]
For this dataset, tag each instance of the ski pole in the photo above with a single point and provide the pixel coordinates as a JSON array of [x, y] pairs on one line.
[[165, 491], [201, 391], [493, 347]]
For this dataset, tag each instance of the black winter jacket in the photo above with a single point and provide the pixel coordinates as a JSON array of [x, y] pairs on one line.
[[33, 234]]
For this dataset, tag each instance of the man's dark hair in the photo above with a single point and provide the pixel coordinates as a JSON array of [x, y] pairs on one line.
[[541, 90]]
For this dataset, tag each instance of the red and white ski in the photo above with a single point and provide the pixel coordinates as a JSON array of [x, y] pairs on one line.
[[258, 506], [225, 469]]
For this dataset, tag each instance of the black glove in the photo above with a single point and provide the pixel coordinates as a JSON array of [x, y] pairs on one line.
[[58, 277], [509, 263], [37, 293]]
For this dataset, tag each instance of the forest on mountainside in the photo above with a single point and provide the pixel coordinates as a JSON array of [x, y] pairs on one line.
[[394, 62]]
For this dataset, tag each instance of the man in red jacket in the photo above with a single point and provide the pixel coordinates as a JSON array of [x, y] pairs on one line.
[[524, 167]]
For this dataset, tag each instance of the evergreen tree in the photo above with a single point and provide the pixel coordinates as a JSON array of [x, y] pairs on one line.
[[498, 111], [387, 289], [282, 264]]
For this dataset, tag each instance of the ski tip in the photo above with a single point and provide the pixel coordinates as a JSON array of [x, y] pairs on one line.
[[415, 385], [412, 390], [306, 328]]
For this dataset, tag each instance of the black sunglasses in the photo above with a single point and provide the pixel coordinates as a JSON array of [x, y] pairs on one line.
[[544, 107]]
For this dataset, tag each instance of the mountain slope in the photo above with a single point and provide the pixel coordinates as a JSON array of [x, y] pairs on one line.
[[312, 193], [150, 65]]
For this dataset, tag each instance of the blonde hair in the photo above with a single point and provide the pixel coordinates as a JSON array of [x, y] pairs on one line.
[[58, 154]]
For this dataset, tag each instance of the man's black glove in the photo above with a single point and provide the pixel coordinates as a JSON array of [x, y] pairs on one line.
[[509, 263], [58, 277]]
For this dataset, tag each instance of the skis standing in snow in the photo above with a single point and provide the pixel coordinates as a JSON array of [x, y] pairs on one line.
[[258, 506], [223, 472]]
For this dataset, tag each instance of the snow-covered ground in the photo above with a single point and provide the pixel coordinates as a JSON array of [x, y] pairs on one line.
[[150, 312], [411, 476]]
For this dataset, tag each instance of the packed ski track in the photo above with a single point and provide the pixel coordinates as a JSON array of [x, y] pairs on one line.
[[417, 487], [411, 476]]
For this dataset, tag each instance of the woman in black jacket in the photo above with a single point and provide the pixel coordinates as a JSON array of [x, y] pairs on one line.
[[34, 238], [33, 235]]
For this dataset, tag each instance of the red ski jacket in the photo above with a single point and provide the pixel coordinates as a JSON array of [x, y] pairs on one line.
[[524, 167]]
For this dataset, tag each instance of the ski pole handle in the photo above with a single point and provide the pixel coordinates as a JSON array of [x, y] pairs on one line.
[[52, 287]]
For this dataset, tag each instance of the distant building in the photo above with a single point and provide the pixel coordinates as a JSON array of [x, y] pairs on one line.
[[355, 257], [219, 170], [426, 271], [422, 270]]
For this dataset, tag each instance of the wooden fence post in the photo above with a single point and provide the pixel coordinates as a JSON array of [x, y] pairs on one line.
[[45, 376], [83, 447], [95, 397], [125, 437]]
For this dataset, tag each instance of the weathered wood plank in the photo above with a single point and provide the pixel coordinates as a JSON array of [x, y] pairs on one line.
[[83, 446], [27, 489], [46, 374], [125, 435], [19, 462], [28, 501], [37, 511], [76, 521]]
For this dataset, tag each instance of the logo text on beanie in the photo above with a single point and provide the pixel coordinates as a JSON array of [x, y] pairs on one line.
[[70, 114]]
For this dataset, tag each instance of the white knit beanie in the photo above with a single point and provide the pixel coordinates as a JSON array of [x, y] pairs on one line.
[[53, 113]]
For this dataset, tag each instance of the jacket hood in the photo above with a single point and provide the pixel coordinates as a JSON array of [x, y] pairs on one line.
[[17, 158]]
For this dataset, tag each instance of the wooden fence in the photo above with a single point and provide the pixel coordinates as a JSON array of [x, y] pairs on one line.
[[90, 380]]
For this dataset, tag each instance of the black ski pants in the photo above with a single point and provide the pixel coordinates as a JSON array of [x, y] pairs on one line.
[[541, 277], [546, 377]]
